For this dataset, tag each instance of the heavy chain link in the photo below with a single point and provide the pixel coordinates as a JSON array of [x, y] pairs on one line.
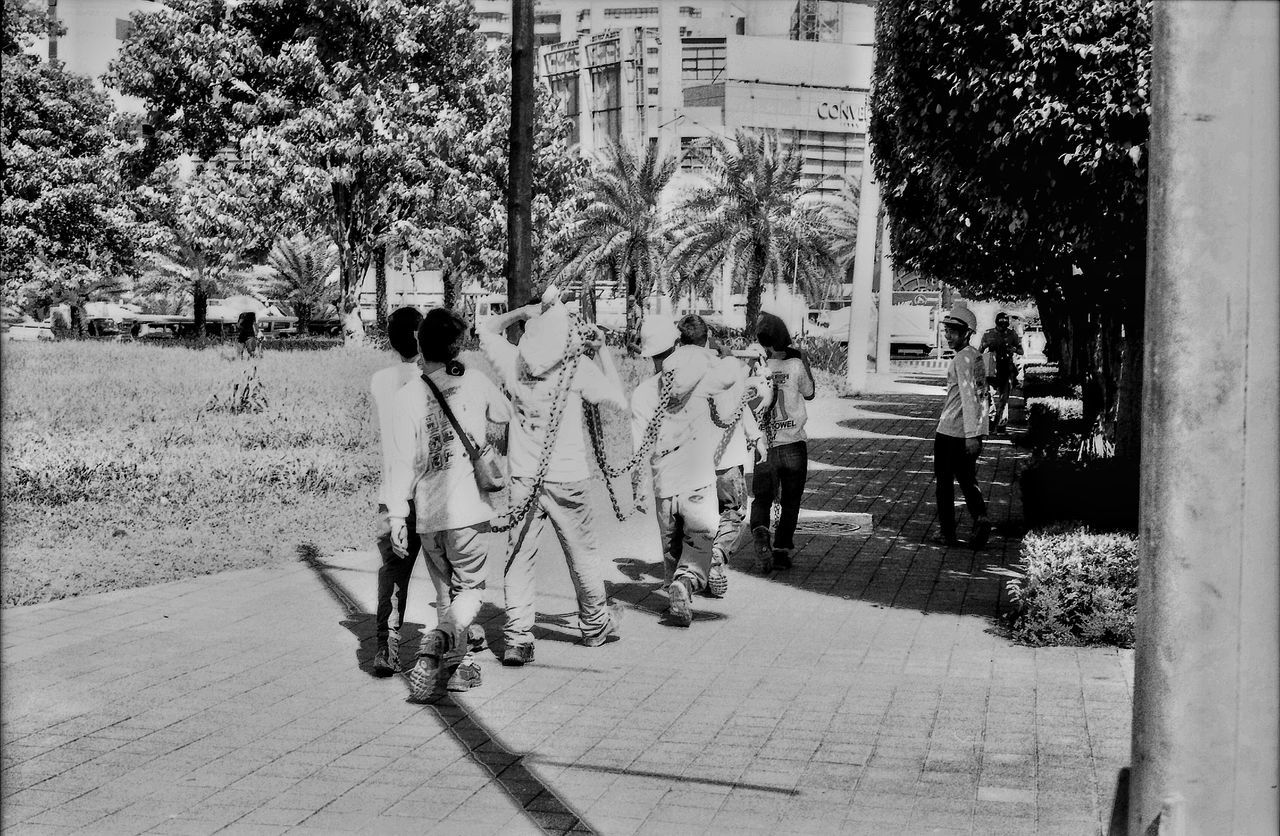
[[651, 432], [564, 382], [728, 426]]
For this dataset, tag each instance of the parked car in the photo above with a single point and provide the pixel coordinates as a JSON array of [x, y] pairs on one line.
[[27, 330]]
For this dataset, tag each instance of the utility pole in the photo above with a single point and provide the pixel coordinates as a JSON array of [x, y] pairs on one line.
[[520, 181], [1206, 712]]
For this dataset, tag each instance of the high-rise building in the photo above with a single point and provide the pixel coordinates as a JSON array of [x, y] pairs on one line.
[[678, 75], [94, 31]]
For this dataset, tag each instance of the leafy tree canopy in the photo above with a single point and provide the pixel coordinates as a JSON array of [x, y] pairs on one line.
[[64, 205], [1011, 143]]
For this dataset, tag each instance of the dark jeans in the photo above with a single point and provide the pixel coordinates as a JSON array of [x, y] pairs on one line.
[[783, 474], [952, 463], [393, 576]]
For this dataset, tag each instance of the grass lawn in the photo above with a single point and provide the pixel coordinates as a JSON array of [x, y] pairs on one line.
[[116, 473]]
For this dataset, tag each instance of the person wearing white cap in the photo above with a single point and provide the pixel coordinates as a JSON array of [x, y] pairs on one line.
[[733, 433], [669, 411], [961, 430], [547, 451]]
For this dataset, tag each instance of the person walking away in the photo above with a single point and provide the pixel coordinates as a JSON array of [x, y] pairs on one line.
[[731, 443], [247, 335], [1003, 343], [961, 430], [548, 455], [395, 570], [432, 474], [784, 473], [673, 404]]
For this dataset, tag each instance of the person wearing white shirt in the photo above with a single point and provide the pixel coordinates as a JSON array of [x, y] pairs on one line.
[[557, 452], [784, 473], [430, 466], [962, 426], [395, 570], [732, 442], [682, 458]]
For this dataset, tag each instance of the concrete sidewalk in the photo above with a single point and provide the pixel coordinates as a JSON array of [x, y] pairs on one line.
[[862, 691]]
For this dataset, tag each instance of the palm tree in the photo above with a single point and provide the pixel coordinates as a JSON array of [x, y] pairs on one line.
[[758, 217], [619, 236], [72, 285], [303, 274], [196, 267]]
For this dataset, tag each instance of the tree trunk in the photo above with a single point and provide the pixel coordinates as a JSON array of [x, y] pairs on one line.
[[302, 310], [755, 288], [199, 308], [449, 278], [635, 312], [587, 302], [1129, 396], [380, 287]]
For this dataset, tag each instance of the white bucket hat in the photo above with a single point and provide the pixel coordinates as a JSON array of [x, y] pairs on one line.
[[656, 336]]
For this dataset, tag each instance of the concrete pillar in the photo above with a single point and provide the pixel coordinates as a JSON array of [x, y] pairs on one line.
[[884, 318], [1207, 655], [864, 256], [670, 88]]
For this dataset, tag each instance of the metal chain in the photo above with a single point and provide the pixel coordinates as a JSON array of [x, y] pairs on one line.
[[564, 382], [728, 426]]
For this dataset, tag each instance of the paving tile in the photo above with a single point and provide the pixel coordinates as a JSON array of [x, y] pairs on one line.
[[888, 706]]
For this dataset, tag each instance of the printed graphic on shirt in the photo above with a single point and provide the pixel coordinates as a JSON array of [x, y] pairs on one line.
[[439, 436]]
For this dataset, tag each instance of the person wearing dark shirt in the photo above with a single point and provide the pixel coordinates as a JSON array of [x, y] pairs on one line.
[[1003, 343]]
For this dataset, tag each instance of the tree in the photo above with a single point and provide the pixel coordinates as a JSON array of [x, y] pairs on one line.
[[209, 224], [357, 103], [757, 216], [302, 274], [620, 235], [73, 285], [1011, 144], [470, 234], [65, 208]]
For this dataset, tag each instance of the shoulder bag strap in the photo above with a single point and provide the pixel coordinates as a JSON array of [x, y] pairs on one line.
[[472, 452]]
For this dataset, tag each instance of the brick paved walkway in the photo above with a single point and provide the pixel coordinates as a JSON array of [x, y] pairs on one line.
[[863, 691]]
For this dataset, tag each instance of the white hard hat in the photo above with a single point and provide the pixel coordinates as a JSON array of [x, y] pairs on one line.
[[962, 316]]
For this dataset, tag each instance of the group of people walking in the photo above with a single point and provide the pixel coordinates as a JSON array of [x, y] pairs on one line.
[[697, 422], [703, 415]]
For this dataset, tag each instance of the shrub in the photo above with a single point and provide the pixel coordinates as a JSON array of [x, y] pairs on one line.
[[1073, 586], [825, 354], [1100, 492], [1054, 426]]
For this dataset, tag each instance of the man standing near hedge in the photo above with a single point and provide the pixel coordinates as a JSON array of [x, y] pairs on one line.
[[1003, 342], [961, 430]]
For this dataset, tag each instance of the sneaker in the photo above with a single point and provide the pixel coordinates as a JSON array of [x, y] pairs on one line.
[[681, 602], [717, 581], [466, 677], [384, 664], [981, 532], [782, 558], [946, 540], [518, 654], [610, 632], [764, 553], [426, 684]]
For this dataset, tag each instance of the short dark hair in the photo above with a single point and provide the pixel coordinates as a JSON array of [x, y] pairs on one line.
[[693, 330], [1002, 315], [402, 331], [439, 334], [772, 332]]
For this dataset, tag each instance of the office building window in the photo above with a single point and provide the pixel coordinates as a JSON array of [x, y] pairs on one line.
[[606, 101], [827, 156], [632, 11], [702, 62], [653, 91], [124, 28], [695, 153], [690, 11]]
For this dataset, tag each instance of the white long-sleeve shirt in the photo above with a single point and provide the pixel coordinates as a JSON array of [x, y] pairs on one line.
[[964, 412]]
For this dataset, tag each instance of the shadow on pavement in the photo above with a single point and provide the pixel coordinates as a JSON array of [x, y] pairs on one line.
[[884, 466], [540, 804]]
